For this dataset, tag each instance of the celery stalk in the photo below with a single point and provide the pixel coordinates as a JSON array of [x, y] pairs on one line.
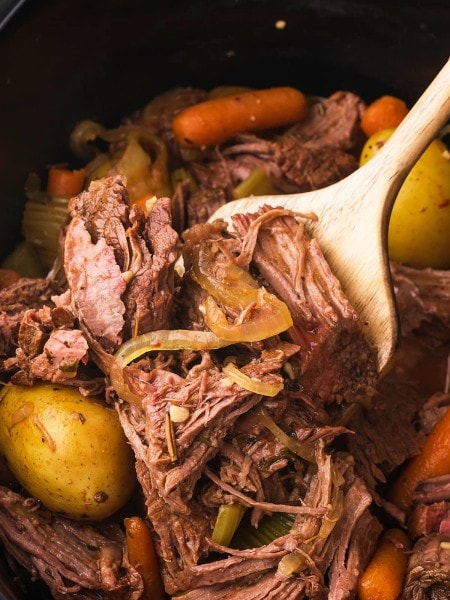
[[228, 519], [256, 184]]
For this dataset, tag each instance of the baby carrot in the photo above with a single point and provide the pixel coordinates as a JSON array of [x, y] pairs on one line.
[[383, 113], [216, 120], [383, 577], [433, 461], [64, 183], [142, 555]]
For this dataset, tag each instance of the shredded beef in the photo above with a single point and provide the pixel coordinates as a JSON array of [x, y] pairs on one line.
[[201, 440], [202, 204], [336, 361], [183, 518], [385, 434], [314, 153], [331, 123], [73, 559], [423, 297], [302, 169], [431, 508], [428, 574], [351, 543], [119, 266], [428, 519], [433, 490], [15, 300]]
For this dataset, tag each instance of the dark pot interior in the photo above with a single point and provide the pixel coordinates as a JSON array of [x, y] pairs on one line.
[[61, 61]]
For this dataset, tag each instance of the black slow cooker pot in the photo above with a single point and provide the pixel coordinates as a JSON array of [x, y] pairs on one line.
[[62, 61]]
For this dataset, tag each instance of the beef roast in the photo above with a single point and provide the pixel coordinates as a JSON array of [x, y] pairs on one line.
[[75, 560], [315, 152], [423, 297], [15, 300], [428, 574], [431, 508], [119, 266], [336, 360]]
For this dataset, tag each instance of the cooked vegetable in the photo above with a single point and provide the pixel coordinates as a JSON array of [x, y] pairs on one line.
[[64, 183], [145, 202], [25, 260], [217, 120], [269, 528], [256, 184], [250, 383], [387, 111], [133, 152], [181, 174], [383, 578], [41, 226], [302, 449], [142, 555], [68, 451], [419, 227], [262, 313], [228, 518], [145, 175], [175, 339], [433, 461]]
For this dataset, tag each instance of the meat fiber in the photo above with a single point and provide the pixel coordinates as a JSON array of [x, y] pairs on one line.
[[431, 508], [314, 153], [428, 574], [119, 265], [336, 360], [15, 300], [73, 559], [216, 456]]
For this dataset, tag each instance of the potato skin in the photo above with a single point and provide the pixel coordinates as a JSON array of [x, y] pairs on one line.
[[67, 451], [419, 228]]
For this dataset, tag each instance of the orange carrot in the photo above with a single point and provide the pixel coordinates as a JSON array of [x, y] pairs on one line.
[[142, 555], [216, 120], [65, 183], [383, 113], [383, 577], [433, 461], [8, 277]]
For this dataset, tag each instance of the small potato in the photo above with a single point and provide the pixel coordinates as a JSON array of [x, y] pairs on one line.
[[419, 228], [68, 451]]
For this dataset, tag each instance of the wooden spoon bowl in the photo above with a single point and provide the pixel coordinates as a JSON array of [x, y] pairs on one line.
[[353, 215]]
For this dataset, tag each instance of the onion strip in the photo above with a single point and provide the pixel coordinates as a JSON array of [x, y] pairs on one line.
[[302, 449], [250, 383], [156, 341]]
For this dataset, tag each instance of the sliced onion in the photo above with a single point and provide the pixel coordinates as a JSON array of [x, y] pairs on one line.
[[250, 383], [268, 317], [157, 341], [291, 563], [335, 507], [302, 449], [262, 314]]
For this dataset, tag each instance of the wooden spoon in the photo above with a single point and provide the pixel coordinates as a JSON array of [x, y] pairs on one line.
[[354, 215]]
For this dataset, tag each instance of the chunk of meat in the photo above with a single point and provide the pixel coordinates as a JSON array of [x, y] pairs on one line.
[[73, 559]]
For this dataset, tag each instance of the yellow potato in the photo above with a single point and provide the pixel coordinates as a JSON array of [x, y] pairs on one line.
[[68, 451], [419, 228]]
